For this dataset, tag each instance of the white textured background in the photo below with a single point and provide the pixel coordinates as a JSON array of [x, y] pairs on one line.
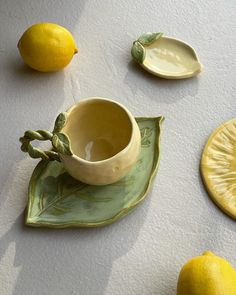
[[143, 253]]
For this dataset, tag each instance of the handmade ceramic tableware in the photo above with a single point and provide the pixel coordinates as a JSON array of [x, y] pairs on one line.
[[57, 200], [97, 140], [166, 57], [218, 167]]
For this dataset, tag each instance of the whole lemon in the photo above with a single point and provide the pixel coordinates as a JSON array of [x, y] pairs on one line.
[[207, 275], [47, 47]]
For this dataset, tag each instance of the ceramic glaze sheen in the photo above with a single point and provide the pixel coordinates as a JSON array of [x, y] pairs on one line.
[[105, 141], [218, 167], [57, 200], [171, 58]]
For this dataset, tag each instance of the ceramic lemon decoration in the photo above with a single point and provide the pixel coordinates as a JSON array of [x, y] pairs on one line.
[[47, 47], [218, 167], [207, 275], [105, 140], [57, 200], [97, 140], [166, 57]]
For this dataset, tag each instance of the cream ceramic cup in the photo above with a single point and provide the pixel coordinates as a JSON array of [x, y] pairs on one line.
[[103, 137], [105, 141]]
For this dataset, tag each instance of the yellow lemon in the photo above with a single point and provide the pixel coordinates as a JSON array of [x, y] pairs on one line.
[[207, 275], [47, 47]]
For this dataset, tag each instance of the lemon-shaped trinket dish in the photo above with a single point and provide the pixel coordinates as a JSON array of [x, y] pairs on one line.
[[58, 200], [218, 167], [166, 57]]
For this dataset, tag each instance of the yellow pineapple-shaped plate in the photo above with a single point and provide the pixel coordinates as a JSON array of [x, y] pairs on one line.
[[218, 167]]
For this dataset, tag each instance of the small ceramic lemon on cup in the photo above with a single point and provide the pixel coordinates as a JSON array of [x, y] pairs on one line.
[[47, 47]]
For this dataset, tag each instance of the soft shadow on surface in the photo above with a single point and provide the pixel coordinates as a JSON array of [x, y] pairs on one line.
[[28, 103], [214, 209], [29, 99], [59, 261], [69, 261], [158, 89], [218, 225], [18, 67], [35, 86]]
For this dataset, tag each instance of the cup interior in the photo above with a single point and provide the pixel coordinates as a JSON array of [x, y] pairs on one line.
[[98, 129]]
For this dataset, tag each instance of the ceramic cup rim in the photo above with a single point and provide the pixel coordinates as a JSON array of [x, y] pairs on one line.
[[131, 119]]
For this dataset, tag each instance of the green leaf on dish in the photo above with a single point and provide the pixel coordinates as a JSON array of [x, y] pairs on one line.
[[138, 52], [145, 135], [60, 122], [148, 38], [61, 144]]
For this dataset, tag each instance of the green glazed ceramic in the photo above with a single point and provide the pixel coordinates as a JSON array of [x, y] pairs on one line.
[[57, 200]]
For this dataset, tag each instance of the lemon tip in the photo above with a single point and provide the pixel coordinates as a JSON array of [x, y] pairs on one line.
[[208, 253]]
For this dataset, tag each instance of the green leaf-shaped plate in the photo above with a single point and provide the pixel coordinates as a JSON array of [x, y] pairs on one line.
[[57, 200]]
